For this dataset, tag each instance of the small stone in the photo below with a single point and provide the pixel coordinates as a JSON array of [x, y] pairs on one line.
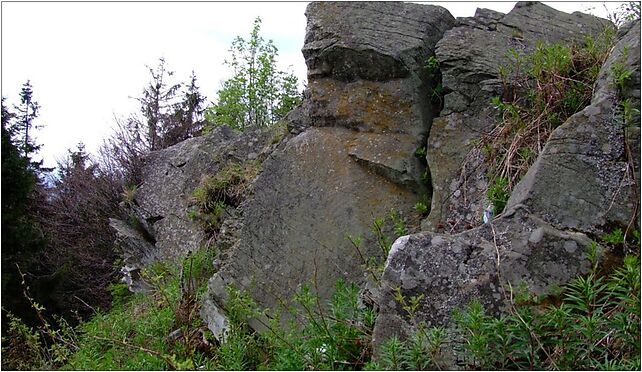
[[570, 246], [175, 334], [536, 236]]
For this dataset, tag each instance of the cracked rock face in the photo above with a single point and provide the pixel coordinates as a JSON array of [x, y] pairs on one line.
[[159, 227], [582, 180], [580, 185], [469, 57], [481, 264], [369, 40], [365, 113]]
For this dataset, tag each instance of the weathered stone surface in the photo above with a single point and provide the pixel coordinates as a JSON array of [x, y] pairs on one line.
[[366, 111], [138, 251], [485, 19], [389, 156], [390, 107], [371, 40], [480, 264], [469, 57], [580, 180], [308, 198], [171, 175], [580, 186], [160, 228]]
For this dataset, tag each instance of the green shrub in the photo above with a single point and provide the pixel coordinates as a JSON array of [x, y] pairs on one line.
[[421, 207], [498, 194], [597, 326], [540, 91]]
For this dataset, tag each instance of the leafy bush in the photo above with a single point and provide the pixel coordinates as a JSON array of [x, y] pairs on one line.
[[258, 94]]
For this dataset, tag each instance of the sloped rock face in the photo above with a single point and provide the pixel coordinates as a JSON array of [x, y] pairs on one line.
[[159, 227], [366, 112], [470, 56], [582, 179], [581, 184]]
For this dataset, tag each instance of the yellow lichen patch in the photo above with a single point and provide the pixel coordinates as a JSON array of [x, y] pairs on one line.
[[374, 106]]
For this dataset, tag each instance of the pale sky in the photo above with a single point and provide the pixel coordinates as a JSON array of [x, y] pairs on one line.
[[86, 60]]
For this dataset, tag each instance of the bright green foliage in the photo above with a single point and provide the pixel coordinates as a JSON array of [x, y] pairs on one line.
[[334, 336], [620, 73], [498, 194], [630, 112], [329, 336], [421, 207], [422, 351], [373, 264], [540, 91], [134, 334], [597, 326], [258, 94], [614, 237], [432, 65]]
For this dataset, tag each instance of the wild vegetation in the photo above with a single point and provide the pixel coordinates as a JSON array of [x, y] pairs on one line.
[[55, 226], [227, 188], [58, 246], [259, 94], [541, 90]]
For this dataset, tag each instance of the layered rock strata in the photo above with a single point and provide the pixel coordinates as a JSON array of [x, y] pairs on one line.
[[366, 112]]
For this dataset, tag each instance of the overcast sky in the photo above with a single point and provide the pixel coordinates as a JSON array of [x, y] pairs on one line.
[[86, 60]]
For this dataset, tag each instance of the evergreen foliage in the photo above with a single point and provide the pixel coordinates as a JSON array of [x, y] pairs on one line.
[[22, 237]]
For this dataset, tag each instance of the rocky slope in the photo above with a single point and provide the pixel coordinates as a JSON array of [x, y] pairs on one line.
[[349, 157]]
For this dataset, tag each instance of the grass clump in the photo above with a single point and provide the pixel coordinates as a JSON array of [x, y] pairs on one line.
[[215, 193], [498, 194], [540, 91]]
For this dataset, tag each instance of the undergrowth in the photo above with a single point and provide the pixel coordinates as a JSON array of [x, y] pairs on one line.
[[540, 91], [215, 193], [592, 323], [595, 326]]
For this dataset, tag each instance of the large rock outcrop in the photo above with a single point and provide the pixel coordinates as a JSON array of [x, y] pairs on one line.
[[582, 183], [470, 56], [365, 114], [159, 227], [350, 157], [582, 179]]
